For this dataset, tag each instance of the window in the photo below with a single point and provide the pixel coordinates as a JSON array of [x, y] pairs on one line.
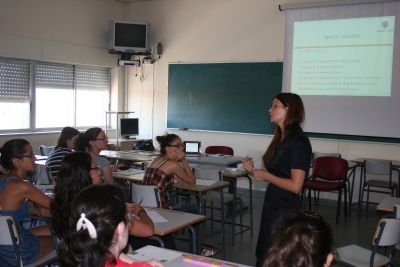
[[14, 94], [58, 95]]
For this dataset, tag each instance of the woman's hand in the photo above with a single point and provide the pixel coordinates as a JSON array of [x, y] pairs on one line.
[[114, 168], [259, 175], [134, 207], [155, 263], [248, 165], [175, 153]]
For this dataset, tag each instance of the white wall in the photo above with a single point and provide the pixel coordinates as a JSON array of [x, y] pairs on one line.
[[220, 31], [72, 31]]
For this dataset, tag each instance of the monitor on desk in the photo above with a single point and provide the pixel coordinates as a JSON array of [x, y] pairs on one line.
[[129, 127], [192, 147]]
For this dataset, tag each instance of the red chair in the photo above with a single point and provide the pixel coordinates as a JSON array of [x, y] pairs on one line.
[[331, 173], [226, 150]]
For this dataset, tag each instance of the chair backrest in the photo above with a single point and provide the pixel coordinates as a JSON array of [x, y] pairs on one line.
[[226, 150], [45, 150], [42, 175], [387, 232], [396, 211], [148, 192], [330, 168], [8, 236], [378, 167], [207, 174], [145, 165], [319, 154]]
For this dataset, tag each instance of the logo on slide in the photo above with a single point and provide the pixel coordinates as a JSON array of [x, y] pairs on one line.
[[385, 24]]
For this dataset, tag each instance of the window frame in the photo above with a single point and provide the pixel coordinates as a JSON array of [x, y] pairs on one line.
[[32, 97]]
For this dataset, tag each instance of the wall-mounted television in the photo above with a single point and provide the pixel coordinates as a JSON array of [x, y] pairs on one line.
[[129, 37], [129, 127]]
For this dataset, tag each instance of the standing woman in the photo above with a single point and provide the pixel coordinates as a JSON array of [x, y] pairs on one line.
[[93, 141], [287, 162], [17, 157], [64, 145]]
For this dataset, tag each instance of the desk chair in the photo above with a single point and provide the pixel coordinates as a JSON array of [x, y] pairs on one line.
[[377, 167], [314, 156], [387, 234], [329, 174], [214, 197], [45, 150], [149, 194], [226, 150], [9, 236]]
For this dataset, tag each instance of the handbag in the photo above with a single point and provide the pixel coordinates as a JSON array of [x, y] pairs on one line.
[[145, 144]]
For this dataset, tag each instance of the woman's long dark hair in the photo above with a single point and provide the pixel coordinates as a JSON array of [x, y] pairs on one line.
[[294, 117], [74, 175], [104, 206], [301, 240], [82, 142], [12, 149], [164, 141], [66, 134]]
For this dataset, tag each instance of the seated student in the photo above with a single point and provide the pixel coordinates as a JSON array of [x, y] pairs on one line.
[[78, 171], [17, 159], [304, 239], [93, 141], [100, 223], [162, 172], [64, 145]]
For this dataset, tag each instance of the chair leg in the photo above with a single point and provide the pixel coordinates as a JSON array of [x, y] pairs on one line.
[[345, 201], [338, 205], [309, 199], [368, 196]]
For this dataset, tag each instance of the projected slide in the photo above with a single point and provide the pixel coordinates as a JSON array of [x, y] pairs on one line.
[[343, 57]]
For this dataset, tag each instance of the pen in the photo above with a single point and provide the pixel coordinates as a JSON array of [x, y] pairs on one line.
[[140, 200]]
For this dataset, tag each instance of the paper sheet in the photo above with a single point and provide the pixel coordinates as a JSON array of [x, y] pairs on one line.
[[150, 252], [155, 217]]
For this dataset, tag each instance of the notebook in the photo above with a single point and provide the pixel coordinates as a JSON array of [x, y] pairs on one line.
[[192, 148]]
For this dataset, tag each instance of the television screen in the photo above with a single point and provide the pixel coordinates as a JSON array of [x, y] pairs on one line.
[[129, 37], [129, 126]]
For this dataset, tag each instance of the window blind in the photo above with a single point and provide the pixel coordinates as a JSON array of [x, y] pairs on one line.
[[92, 78], [14, 79], [54, 76]]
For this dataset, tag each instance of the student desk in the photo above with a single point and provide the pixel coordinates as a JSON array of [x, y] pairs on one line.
[[197, 191], [360, 163], [170, 258], [117, 155], [232, 175], [177, 220], [229, 161], [387, 204]]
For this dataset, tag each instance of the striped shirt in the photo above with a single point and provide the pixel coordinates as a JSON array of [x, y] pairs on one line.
[[55, 158]]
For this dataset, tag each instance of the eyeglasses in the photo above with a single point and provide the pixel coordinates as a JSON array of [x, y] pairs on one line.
[[102, 139], [97, 168], [30, 155], [178, 145]]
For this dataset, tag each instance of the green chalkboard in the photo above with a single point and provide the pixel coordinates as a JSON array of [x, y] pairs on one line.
[[223, 97]]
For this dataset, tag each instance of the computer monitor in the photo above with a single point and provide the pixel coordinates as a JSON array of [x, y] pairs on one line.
[[129, 127]]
